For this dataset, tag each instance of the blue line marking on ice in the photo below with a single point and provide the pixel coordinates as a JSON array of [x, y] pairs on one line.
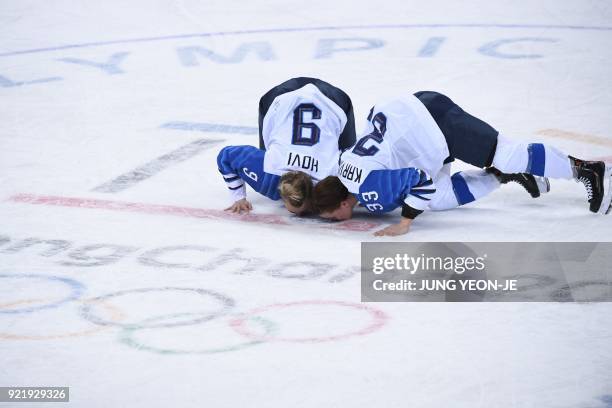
[[43, 80], [301, 29], [210, 127], [607, 399], [7, 83]]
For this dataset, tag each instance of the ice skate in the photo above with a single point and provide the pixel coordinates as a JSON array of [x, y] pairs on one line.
[[597, 179], [534, 185]]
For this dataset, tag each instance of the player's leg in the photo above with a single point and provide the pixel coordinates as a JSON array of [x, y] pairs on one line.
[[544, 160], [474, 141], [533, 158], [461, 188]]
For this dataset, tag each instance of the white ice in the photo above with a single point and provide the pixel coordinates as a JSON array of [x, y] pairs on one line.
[[87, 92]]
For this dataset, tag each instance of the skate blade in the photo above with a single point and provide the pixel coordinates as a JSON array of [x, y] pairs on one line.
[[543, 184], [606, 202]]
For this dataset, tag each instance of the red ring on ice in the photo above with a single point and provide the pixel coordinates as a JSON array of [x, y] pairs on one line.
[[379, 319]]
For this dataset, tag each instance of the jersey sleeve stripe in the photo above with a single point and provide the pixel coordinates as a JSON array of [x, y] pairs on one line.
[[423, 190], [417, 203], [419, 196], [234, 183], [425, 183]]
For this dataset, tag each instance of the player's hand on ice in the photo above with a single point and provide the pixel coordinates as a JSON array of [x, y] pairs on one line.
[[240, 206], [400, 228]]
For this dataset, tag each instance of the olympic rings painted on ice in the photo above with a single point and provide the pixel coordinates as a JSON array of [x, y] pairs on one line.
[[378, 319], [76, 287], [226, 303], [127, 337], [114, 312]]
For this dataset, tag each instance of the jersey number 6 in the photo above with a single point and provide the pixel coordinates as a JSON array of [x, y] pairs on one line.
[[314, 133], [379, 121]]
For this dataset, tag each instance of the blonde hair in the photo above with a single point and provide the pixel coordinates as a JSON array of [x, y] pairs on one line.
[[296, 188]]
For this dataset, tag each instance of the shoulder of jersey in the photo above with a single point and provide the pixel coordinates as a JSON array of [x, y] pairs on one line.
[[394, 104]]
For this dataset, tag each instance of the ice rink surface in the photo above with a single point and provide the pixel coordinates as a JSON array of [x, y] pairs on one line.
[[120, 277]]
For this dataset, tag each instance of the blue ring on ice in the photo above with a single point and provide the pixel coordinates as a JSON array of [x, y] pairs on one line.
[[76, 287], [301, 30]]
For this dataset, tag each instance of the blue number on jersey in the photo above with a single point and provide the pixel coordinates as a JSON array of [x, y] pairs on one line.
[[380, 127], [299, 125]]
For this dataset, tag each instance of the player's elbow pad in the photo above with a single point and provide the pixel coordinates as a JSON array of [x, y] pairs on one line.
[[224, 160]]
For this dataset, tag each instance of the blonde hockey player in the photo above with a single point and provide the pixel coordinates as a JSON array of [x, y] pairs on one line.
[[304, 125]]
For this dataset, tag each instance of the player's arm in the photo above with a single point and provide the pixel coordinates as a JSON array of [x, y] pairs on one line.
[[240, 165], [418, 188], [228, 161]]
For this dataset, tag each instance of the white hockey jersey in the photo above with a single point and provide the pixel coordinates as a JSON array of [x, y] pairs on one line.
[[301, 131], [400, 133], [393, 161]]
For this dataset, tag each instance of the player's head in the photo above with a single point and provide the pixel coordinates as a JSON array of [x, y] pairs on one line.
[[296, 192], [332, 199]]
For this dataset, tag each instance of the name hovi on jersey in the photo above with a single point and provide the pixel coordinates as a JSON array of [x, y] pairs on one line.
[[303, 161], [350, 172]]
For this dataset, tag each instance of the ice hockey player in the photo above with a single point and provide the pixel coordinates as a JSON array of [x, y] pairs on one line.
[[304, 125], [410, 139]]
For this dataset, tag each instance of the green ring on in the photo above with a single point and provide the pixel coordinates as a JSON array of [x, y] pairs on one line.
[[126, 336]]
